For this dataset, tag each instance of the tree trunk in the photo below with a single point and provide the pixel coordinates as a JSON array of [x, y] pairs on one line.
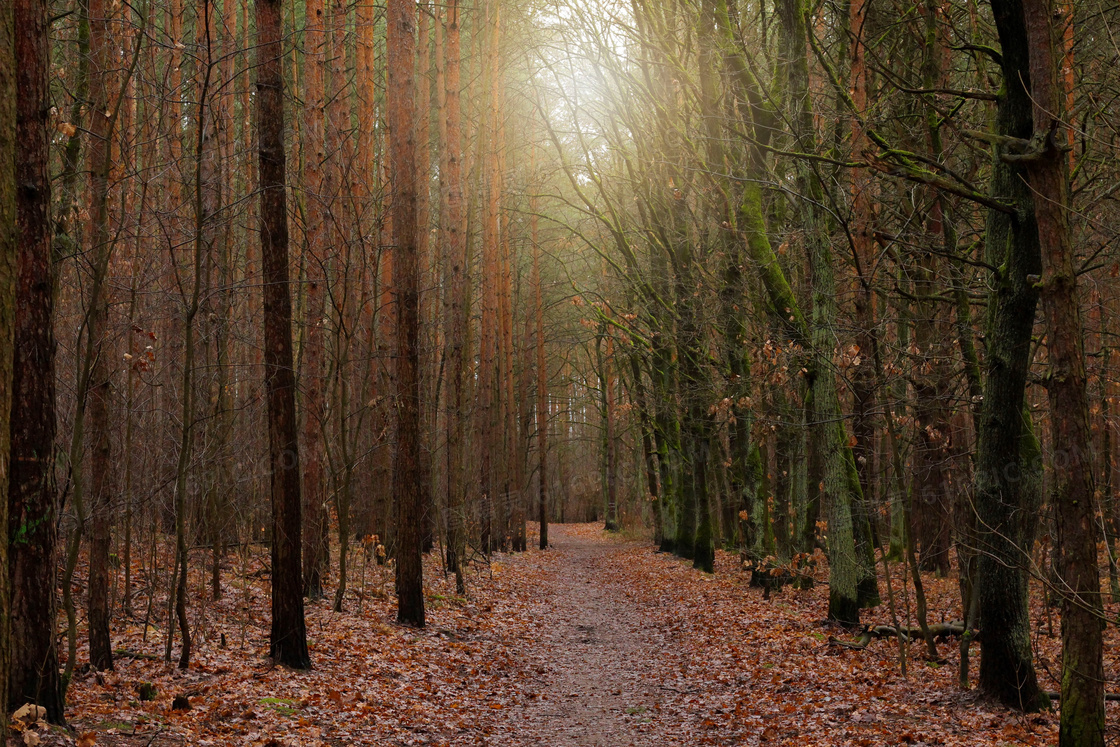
[[1073, 498], [102, 120], [429, 355], [606, 370], [401, 60], [488, 390], [32, 499], [454, 304], [1007, 459], [11, 214], [861, 229], [852, 580], [288, 637], [317, 208], [542, 389]]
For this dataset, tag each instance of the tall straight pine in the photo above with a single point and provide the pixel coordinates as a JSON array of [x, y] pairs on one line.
[[8, 248], [401, 48], [33, 673], [288, 641]]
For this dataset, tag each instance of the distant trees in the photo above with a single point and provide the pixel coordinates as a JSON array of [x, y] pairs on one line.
[[872, 290]]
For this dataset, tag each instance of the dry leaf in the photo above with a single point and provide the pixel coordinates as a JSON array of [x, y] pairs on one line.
[[30, 712]]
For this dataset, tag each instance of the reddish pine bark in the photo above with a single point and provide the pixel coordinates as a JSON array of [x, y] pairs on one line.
[[1072, 491], [317, 232]]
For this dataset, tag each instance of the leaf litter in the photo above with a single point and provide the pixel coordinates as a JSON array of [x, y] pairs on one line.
[[597, 641]]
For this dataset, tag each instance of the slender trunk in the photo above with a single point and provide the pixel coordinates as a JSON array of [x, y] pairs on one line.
[[488, 392], [606, 368], [649, 451], [542, 387], [288, 637], [427, 268], [103, 119], [523, 443], [318, 204], [454, 303], [401, 45]]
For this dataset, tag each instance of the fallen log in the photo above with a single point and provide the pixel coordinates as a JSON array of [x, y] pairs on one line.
[[864, 639], [1109, 697], [937, 631]]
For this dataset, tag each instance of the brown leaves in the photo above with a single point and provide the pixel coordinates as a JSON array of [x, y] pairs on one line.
[[675, 657]]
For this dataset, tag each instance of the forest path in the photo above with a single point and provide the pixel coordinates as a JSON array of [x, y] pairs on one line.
[[600, 668]]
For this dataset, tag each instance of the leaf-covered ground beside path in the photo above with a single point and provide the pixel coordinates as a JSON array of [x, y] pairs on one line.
[[598, 641]]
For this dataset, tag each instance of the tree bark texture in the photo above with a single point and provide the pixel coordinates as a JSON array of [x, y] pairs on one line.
[[288, 637]]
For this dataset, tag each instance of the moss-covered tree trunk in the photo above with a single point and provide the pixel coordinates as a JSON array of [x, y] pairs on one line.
[[852, 581], [1007, 460]]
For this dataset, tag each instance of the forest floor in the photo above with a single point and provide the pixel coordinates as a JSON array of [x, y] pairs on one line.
[[597, 641]]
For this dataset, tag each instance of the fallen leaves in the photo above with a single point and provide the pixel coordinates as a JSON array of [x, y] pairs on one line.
[[28, 721], [596, 638]]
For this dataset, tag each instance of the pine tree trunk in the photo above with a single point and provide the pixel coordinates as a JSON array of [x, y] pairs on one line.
[[454, 304], [317, 208], [32, 501], [288, 638], [401, 60], [100, 459], [10, 213], [429, 356], [542, 389], [1072, 491], [489, 397]]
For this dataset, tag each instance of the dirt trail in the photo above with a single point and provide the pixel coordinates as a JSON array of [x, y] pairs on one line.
[[599, 666]]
